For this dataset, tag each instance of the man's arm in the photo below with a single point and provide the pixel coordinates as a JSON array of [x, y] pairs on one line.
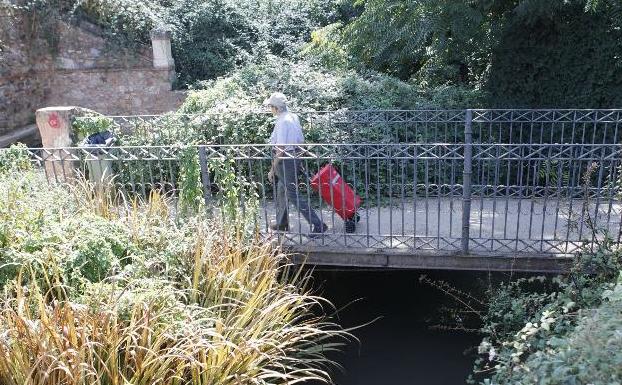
[[278, 150], [275, 162]]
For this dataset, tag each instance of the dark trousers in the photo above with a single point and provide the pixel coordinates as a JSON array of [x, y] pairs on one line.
[[287, 172]]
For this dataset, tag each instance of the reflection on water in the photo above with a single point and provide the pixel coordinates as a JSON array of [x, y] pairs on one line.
[[399, 348]]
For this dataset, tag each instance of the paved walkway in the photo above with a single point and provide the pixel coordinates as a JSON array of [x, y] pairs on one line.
[[530, 226]]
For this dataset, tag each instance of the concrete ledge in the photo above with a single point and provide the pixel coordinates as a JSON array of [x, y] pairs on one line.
[[64, 71], [374, 258], [28, 135]]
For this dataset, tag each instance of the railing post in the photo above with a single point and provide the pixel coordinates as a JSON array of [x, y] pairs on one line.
[[466, 181], [207, 188]]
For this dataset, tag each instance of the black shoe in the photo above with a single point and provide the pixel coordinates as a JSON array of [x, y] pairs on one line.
[[318, 230], [276, 227]]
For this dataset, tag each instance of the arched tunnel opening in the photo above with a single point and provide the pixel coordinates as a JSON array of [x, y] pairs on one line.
[[405, 340]]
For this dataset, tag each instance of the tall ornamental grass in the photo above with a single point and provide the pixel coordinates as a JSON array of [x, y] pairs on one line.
[[98, 289]]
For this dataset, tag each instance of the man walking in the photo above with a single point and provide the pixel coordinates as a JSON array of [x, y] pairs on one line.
[[285, 138]]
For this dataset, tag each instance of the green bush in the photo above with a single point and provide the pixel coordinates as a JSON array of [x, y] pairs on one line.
[[326, 48], [36, 234], [213, 37], [124, 22], [525, 54], [89, 124], [97, 246], [16, 158], [341, 89], [283, 26]]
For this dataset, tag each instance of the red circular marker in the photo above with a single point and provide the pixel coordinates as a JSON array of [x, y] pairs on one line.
[[53, 120]]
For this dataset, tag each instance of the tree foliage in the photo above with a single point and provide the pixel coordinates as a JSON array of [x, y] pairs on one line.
[[209, 38], [213, 37], [455, 40], [406, 37], [569, 60]]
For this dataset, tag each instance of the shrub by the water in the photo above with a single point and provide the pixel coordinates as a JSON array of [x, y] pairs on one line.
[[558, 330], [590, 354], [562, 329]]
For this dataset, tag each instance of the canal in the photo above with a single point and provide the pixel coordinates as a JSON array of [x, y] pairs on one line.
[[399, 347]]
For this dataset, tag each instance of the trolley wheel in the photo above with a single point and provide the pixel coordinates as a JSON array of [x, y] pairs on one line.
[[350, 225]]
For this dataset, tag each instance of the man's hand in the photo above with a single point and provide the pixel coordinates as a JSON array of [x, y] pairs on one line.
[[271, 176]]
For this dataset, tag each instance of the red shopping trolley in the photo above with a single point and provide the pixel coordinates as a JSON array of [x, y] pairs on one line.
[[338, 194]]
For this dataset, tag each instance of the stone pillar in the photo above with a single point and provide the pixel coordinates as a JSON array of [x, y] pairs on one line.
[[161, 43], [54, 125]]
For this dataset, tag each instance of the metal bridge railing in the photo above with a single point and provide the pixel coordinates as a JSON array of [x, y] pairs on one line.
[[520, 199]]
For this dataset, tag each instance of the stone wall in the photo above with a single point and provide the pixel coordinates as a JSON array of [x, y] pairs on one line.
[[115, 91], [81, 46], [21, 94], [82, 70], [22, 89]]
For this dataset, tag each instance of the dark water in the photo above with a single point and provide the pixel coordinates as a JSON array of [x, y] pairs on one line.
[[400, 348]]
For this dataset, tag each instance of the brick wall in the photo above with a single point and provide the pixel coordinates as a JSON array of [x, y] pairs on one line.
[[83, 71]]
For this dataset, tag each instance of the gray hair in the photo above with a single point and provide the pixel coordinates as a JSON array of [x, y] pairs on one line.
[[280, 109]]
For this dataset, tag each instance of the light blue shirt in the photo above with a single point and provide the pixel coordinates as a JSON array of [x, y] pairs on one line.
[[287, 130]]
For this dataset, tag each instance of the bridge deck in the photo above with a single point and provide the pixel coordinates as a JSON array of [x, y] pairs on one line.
[[505, 234]]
